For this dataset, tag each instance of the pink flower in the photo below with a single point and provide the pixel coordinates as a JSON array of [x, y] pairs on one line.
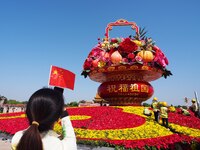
[[138, 58], [160, 58], [95, 52], [124, 60], [87, 64]]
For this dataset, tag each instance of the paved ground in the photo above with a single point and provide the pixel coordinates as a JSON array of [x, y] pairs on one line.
[[5, 141], [5, 144]]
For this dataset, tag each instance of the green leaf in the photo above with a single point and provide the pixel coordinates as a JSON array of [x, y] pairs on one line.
[[166, 73], [85, 73], [143, 34]]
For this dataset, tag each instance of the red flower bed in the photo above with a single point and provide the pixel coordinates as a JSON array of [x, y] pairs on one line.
[[160, 142], [11, 114], [13, 122], [167, 142], [11, 126], [105, 118], [188, 121]]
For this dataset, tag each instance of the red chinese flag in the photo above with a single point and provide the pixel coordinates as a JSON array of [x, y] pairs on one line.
[[60, 77]]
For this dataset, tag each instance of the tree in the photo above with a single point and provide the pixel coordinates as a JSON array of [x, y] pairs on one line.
[[3, 99], [82, 101], [24, 102], [72, 104], [12, 101]]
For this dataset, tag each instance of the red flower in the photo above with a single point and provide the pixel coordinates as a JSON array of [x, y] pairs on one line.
[[87, 64], [113, 40], [127, 46], [131, 55], [95, 52]]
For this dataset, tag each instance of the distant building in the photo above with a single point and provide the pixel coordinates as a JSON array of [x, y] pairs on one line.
[[99, 100], [10, 108], [87, 103]]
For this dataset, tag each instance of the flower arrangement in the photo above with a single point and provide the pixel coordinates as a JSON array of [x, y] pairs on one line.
[[131, 50]]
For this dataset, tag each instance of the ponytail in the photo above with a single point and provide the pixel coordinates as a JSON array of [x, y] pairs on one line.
[[43, 109], [31, 139]]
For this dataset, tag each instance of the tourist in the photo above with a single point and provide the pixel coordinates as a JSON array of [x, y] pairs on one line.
[[155, 107], [164, 114], [13, 109], [7, 111], [1, 109], [43, 109], [22, 108]]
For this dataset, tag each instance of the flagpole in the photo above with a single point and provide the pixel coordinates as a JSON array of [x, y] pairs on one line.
[[49, 76], [196, 97]]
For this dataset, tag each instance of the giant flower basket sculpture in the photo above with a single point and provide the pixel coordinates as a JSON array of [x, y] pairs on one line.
[[125, 66]]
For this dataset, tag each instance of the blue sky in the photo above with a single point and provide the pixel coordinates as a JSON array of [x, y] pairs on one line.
[[37, 34]]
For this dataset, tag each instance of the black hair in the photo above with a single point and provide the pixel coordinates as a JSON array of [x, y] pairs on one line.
[[45, 107]]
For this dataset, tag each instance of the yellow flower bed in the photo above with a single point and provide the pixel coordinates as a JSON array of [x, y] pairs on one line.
[[13, 117], [79, 117], [141, 132], [186, 130], [58, 128]]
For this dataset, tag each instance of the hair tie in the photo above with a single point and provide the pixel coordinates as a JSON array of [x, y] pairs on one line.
[[35, 123]]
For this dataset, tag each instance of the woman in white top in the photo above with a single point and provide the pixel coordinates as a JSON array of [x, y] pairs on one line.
[[44, 108]]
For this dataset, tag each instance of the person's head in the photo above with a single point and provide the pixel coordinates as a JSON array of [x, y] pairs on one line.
[[193, 100], [155, 99], [43, 109], [164, 104]]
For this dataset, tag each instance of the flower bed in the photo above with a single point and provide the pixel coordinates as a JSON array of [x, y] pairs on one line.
[[187, 121], [119, 126], [105, 118], [13, 122]]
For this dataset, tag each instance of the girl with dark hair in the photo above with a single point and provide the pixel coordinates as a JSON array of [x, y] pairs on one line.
[[43, 109]]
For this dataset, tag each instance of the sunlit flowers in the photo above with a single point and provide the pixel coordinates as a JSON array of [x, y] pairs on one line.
[[132, 50], [125, 126]]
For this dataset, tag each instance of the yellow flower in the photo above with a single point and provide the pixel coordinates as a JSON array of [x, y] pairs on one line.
[[101, 64], [79, 117], [57, 128], [138, 43]]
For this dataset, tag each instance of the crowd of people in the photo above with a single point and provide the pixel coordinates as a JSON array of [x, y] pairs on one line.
[[9, 108]]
